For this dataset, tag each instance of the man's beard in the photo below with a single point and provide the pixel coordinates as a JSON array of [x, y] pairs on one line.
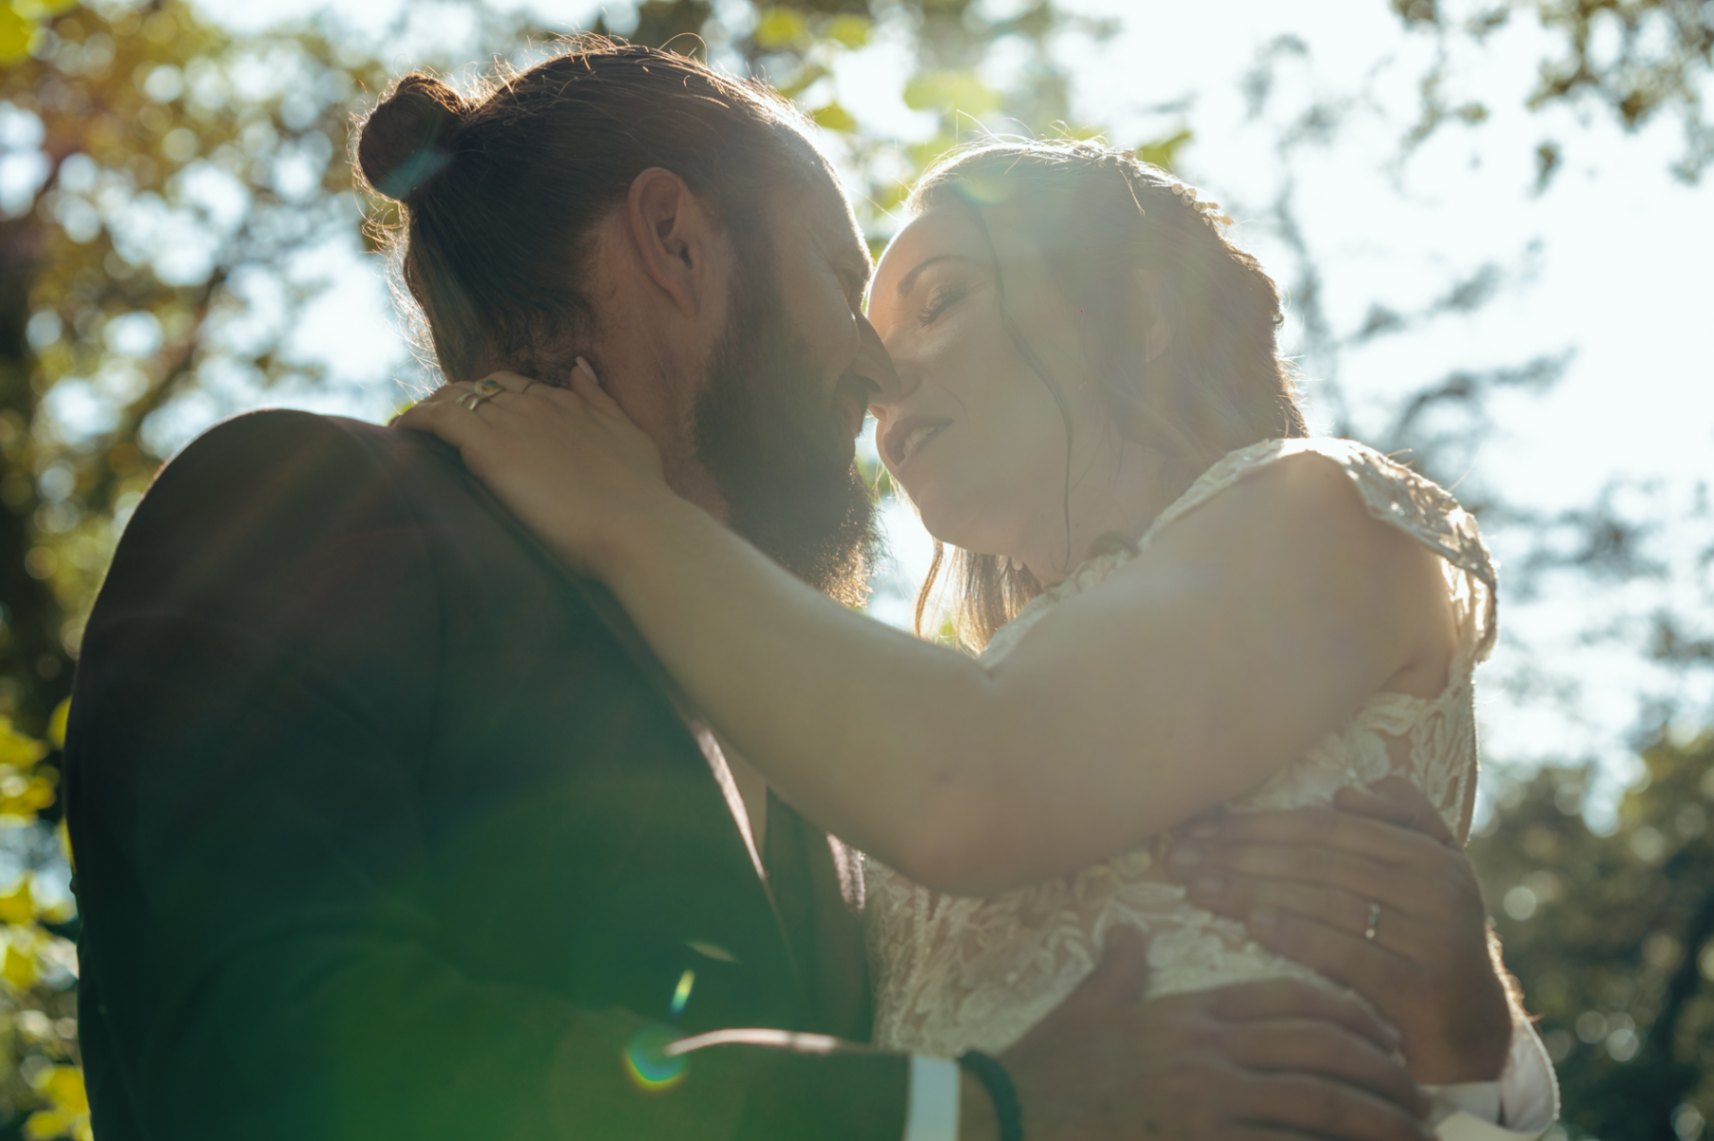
[[780, 453]]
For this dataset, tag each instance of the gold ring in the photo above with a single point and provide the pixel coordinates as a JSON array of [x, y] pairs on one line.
[[1374, 922]]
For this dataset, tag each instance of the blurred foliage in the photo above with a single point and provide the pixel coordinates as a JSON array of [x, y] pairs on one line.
[[173, 191], [1640, 59], [41, 1088], [1612, 931]]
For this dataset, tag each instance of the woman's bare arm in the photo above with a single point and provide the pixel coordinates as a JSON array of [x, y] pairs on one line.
[[1243, 634]]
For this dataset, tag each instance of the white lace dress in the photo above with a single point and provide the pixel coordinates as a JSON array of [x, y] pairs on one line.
[[954, 973]]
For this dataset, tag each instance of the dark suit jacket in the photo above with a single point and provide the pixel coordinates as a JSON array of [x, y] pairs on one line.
[[385, 827]]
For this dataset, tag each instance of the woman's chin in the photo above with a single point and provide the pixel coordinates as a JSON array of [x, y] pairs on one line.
[[955, 524]]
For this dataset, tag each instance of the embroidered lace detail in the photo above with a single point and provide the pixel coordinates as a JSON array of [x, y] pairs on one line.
[[954, 973]]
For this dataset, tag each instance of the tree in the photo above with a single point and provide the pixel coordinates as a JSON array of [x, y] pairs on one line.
[[1612, 930], [1638, 59]]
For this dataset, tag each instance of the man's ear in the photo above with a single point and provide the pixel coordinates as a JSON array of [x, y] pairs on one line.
[[675, 236]]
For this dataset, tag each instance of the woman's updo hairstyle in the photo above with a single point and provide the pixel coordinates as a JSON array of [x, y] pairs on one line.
[[1099, 216], [497, 192]]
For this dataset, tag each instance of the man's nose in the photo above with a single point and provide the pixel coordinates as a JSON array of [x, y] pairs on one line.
[[875, 364]]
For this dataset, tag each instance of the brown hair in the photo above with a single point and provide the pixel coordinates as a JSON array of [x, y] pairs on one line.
[[498, 193], [1098, 215]]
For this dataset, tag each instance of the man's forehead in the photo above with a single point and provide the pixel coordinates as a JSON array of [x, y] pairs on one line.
[[826, 217]]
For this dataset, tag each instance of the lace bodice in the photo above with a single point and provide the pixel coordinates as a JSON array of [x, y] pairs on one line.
[[954, 973]]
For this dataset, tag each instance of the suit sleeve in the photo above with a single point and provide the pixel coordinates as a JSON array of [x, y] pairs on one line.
[[255, 688]]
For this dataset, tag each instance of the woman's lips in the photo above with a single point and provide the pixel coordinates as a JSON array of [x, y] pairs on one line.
[[905, 439]]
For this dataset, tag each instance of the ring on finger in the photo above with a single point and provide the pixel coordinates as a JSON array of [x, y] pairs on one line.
[[1374, 924], [483, 390]]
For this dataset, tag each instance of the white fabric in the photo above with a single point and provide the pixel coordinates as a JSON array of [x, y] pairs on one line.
[[1476, 1099], [931, 1101], [1529, 1092], [1519, 1107], [956, 973]]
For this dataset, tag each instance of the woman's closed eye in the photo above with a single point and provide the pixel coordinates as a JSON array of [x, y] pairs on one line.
[[940, 299]]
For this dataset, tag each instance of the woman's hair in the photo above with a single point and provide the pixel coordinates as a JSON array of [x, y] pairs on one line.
[[1098, 216], [498, 193]]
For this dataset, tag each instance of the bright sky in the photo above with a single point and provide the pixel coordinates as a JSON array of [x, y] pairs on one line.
[[1617, 275]]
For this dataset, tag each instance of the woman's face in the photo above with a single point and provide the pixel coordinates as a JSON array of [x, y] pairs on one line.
[[973, 435]]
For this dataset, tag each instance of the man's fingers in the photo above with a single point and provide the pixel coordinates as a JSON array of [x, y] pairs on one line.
[[1361, 964], [440, 414], [1292, 999], [1238, 897], [1319, 828], [1369, 878], [1324, 1108], [1122, 975], [1324, 1049], [1396, 801]]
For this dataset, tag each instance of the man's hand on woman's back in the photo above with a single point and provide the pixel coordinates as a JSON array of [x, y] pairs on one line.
[[1276, 1060], [1377, 894]]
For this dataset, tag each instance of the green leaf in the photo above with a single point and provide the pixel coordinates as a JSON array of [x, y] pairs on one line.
[[951, 91], [795, 84], [1164, 152], [781, 28], [834, 117], [850, 31]]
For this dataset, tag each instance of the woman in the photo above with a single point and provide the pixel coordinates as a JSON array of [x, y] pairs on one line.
[[1180, 600]]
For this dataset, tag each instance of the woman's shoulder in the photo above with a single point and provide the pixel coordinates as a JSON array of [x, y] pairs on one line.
[[1390, 491], [1302, 475]]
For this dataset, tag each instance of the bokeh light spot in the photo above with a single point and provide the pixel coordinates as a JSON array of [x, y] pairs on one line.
[[650, 1067], [681, 993]]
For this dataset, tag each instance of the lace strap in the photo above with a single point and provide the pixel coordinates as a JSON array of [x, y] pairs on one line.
[[1393, 494]]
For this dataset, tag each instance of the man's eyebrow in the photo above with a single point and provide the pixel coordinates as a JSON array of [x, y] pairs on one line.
[[910, 278]]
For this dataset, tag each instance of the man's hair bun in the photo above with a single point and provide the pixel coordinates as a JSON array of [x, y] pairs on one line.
[[401, 146]]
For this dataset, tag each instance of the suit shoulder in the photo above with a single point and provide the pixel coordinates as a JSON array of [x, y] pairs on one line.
[[263, 483], [274, 444], [266, 458]]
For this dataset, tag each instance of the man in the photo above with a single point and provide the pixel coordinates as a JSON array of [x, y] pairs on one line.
[[387, 827]]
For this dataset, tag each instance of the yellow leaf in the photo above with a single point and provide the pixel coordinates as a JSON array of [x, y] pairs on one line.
[[47, 1123], [16, 749], [56, 724], [16, 35], [23, 797], [18, 906], [63, 1086], [18, 969]]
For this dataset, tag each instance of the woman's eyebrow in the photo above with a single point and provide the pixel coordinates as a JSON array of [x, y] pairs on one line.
[[910, 279]]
